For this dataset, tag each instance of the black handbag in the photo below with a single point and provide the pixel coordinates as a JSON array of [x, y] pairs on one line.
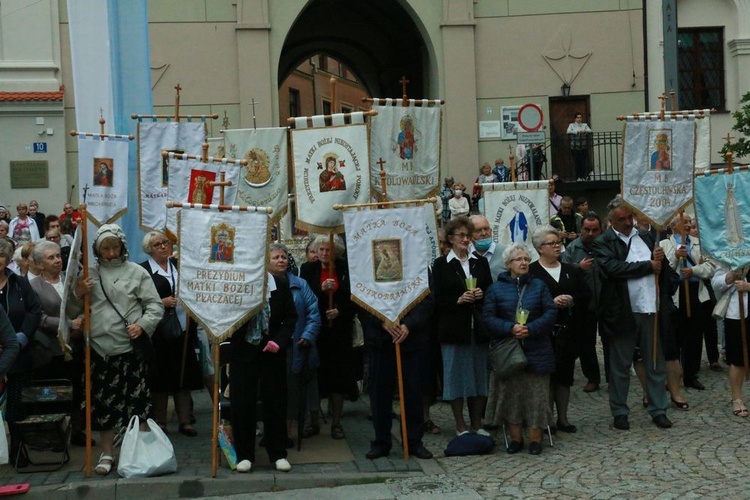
[[169, 326]]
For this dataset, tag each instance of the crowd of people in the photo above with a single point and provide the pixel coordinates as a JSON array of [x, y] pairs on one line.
[[592, 276]]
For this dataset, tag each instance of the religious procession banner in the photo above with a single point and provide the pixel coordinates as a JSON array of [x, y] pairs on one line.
[[722, 202], [69, 285], [153, 169], [222, 281], [264, 181], [189, 182], [103, 174], [657, 173], [407, 140], [702, 133], [216, 147], [431, 232], [387, 268], [514, 210], [330, 167]]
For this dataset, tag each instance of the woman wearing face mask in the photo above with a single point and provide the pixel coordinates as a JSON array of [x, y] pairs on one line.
[[458, 205]]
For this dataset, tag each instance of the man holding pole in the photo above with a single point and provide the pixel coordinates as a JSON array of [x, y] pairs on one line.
[[628, 308], [412, 334]]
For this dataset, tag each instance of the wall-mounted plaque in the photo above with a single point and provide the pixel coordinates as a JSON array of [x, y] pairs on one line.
[[29, 174]]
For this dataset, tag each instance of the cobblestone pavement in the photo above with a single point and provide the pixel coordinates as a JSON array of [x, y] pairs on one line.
[[705, 454]]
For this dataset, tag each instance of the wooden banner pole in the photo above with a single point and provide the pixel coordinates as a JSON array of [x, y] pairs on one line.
[[655, 339], [215, 421], [177, 103], [338, 206], [743, 332], [87, 339], [399, 368], [683, 262]]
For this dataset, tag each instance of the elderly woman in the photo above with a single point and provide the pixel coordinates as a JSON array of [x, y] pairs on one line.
[[49, 289], [20, 304], [124, 307], [175, 369], [3, 229], [337, 373], [458, 306], [458, 204], [257, 367], [571, 295], [302, 357], [486, 176], [524, 397]]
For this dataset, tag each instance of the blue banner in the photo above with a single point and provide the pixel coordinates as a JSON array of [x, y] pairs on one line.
[[721, 205]]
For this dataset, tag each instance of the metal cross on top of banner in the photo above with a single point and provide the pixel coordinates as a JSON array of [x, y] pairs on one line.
[[177, 116]]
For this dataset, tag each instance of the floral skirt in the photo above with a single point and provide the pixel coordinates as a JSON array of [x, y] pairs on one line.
[[523, 398], [119, 390]]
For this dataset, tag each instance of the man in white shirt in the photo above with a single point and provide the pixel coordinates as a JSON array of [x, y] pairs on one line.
[[627, 310], [483, 246]]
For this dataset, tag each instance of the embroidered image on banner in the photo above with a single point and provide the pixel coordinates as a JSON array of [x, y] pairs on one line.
[[407, 139], [657, 175], [702, 133], [222, 278], [330, 167], [103, 167], [387, 268]]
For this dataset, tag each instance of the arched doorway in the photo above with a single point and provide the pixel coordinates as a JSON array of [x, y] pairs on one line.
[[377, 39]]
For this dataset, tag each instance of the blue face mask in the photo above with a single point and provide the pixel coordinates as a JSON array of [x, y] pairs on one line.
[[483, 245]]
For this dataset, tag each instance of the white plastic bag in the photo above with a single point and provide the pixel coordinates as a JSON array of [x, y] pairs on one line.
[[3, 442], [145, 454]]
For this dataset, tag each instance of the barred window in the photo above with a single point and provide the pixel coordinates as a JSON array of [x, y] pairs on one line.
[[294, 102], [701, 68]]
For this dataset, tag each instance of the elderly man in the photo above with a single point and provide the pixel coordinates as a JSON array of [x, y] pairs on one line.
[[627, 307], [483, 246], [446, 193], [684, 254], [23, 228], [70, 213], [566, 220], [580, 253]]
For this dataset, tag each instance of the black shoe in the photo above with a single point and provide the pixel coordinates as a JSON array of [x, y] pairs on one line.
[[515, 447], [695, 384], [570, 428], [662, 421], [188, 430], [379, 452], [681, 405], [310, 431], [621, 422], [535, 448], [422, 452]]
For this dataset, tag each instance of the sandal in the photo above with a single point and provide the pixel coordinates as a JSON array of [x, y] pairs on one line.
[[429, 427], [103, 468], [741, 411], [337, 432]]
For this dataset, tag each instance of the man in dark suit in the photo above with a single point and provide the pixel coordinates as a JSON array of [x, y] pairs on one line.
[[627, 309]]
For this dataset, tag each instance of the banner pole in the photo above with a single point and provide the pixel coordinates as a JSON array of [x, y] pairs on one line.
[[215, 420], [743, 330], [683, 262], [399, 370], [87, 339], [655, 340]]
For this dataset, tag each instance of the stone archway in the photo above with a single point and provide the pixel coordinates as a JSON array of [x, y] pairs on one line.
[[377, 39]]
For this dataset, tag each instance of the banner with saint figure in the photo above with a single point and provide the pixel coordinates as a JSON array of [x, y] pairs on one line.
[[387, 268], [263, 182], [657, 171], [103, 171], [515, 209], [330, 167], [153, 169], [722, 205], [407, 140], [702, 133], [222, 280], [189, 182]]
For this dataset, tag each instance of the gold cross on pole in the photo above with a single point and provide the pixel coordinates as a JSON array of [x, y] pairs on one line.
[[403, 83]]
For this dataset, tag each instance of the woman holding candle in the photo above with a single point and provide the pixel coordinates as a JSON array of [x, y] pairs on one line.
[[517, 296], [460, 279]]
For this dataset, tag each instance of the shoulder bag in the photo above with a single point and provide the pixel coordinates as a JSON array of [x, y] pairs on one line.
[[506, 355], [142, 346]]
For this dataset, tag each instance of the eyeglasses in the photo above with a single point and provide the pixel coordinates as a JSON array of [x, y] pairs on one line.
[[160, 244], [552, 244], [521, 259], [461, 236]]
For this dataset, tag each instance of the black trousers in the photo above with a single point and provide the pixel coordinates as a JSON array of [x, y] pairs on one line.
[[689, 333], [383, 382], [580, 158], [252, 372], [588, 357], [710, 332]]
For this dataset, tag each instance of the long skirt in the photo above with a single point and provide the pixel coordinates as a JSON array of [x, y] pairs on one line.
[[520, 399], [119, 390], [464, 370]]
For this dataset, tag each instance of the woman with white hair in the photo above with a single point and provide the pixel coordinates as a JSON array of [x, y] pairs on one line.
[[518, 305], [124, 307], [175, 369], [337, 372], [571, 294]]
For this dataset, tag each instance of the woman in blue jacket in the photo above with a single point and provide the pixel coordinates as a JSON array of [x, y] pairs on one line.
[[523, 397], [302, 358]]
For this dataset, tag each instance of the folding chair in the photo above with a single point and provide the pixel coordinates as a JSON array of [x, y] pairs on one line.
[[46, 429], [549, 435]]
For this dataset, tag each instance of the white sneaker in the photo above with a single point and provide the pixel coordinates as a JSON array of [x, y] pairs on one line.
[[483, 432], [283, 465], [244, 466], [461, 433]]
